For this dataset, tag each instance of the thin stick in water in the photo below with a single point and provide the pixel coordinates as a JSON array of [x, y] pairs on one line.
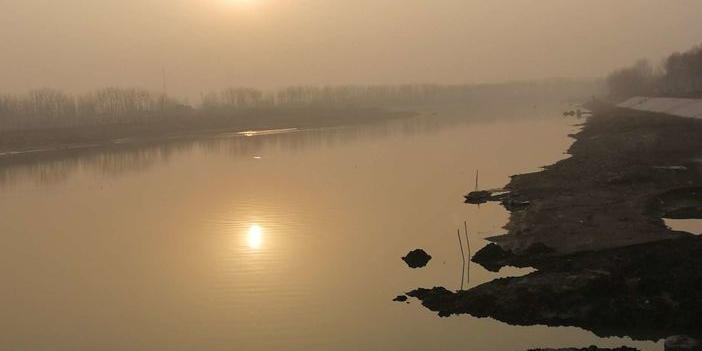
[[463, 267], [465, 227], [477, 175]]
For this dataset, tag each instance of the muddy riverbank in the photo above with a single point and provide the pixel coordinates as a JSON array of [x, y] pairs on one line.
[[592, 225]]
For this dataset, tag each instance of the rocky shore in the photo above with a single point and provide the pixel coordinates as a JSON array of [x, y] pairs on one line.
[[592, 226]]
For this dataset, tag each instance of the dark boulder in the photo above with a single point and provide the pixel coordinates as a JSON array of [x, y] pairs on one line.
[[492, 257], [417, 258]]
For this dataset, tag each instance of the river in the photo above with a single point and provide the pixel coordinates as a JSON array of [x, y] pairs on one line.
[[273, 241]]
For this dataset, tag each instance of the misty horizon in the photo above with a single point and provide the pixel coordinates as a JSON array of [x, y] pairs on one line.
[[210, 45]]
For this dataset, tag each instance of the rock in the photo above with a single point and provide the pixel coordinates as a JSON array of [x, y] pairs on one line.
[[492, 257], [434, 299], [400, 298], [417, 258], [682, 343]]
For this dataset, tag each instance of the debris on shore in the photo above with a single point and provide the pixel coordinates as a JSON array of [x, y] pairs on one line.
[[577, 112], [400, 298], [510, 200], [478, 197], [417, 258], [682, 343]]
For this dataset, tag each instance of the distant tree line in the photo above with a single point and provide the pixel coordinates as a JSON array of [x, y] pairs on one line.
[[394, 95], [336, 96], [679, 75], [49, 108]]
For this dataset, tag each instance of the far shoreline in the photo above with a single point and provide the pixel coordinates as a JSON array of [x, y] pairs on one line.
[[24, 142]]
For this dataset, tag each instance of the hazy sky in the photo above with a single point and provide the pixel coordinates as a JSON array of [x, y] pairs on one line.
[[208, 44]]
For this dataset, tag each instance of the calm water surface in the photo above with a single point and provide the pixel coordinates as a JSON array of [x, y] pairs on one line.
[[285, 241]]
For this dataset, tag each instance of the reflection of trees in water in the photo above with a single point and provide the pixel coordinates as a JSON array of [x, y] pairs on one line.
[[321, 137], [54, 167], [47, 168]]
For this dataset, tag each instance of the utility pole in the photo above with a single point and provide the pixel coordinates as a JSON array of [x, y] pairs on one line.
[[163, 69]]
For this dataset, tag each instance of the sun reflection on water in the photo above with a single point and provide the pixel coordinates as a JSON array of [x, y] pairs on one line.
[[255, 237]]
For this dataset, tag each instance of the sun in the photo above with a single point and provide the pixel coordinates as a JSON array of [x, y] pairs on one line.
[[240, 3], [255, 237], [245, 10]]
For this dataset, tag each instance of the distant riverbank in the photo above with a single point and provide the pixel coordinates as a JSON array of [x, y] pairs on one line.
[[17, 142], [592, 225]]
